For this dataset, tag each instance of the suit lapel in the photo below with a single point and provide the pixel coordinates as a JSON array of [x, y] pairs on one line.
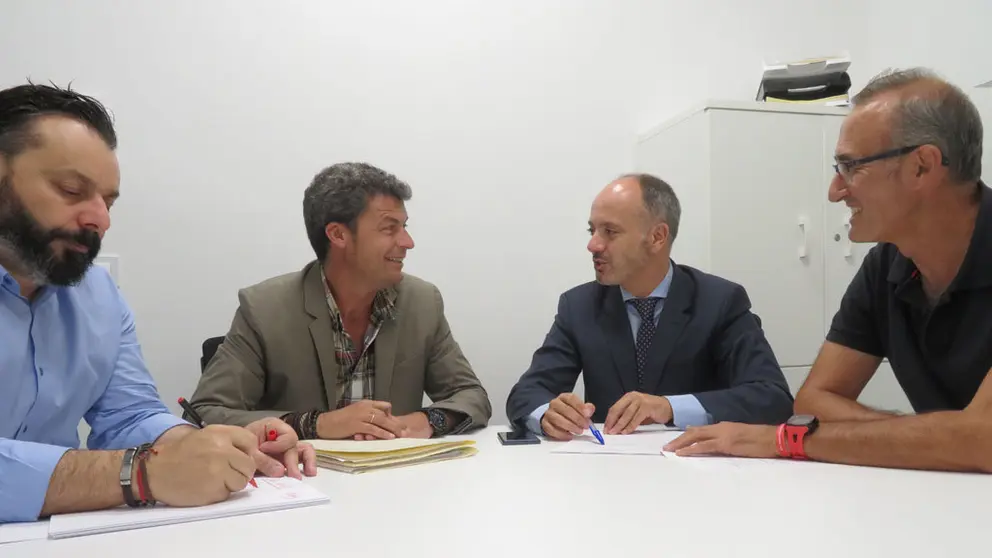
[[616, 329], [385, 357], [674, 317], [315, 303]]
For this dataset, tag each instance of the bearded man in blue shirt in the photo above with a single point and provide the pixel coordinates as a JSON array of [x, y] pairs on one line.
[[68, 347]]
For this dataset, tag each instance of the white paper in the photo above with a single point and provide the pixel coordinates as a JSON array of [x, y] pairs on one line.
[[272, 494], [643, 441], [28, 531]]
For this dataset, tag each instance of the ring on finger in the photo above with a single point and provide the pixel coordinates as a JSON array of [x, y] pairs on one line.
[[372, 418]]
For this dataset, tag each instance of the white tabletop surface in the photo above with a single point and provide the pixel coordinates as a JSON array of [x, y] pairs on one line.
[[526, 501]]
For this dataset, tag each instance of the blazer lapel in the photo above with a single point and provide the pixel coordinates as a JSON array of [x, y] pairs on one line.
[[385, 357], [315, 303], [674, 317], [620, 340]]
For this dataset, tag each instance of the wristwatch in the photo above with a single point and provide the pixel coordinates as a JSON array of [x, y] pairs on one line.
[[438, 421], [792, 434]]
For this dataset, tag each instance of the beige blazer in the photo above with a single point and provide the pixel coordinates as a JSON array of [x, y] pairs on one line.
[[278, 356]]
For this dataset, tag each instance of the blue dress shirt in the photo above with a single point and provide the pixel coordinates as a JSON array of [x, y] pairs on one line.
[[69, 354], [686, 409]]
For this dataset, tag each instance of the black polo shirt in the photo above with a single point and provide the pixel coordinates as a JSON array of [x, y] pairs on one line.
[[939, 355]]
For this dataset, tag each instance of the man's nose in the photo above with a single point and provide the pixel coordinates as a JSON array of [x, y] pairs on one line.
[[406, 240], [838, 189], [95, 216], [595, 245]]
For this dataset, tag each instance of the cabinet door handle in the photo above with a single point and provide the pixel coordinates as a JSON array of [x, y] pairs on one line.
[[802, 247]]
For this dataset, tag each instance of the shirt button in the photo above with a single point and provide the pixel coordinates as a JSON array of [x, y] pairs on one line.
[[41, 371], [24, 429]]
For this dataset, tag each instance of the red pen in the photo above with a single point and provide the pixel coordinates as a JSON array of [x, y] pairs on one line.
[[270, 437]]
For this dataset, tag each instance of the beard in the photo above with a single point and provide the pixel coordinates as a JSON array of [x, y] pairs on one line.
[[31, 244]]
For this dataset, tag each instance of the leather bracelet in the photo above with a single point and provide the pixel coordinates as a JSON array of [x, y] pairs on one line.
[[127, 467], [311, 429], [292, 419], [303, 423], [144, 485]]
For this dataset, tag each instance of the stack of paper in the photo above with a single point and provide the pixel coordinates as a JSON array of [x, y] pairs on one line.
[[272, 494], [351, 456]]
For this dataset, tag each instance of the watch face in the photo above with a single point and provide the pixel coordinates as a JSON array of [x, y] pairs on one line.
[[437, 419], [801, 420]]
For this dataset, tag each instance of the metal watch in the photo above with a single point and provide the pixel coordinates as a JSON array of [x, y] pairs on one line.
[[438, 421]]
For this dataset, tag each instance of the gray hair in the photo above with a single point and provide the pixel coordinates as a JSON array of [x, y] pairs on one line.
[[660, 201], [340, 193], [942, 115]]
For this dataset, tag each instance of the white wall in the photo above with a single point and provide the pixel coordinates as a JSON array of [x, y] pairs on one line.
[[506, 118], [950, 36]]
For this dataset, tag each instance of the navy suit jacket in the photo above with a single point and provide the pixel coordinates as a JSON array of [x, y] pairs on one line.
[[708, 343]]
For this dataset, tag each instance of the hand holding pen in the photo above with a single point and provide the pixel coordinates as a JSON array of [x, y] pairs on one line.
[[279, 450], [567, 417]]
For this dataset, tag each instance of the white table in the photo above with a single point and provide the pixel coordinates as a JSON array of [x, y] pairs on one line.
[[526, 501]]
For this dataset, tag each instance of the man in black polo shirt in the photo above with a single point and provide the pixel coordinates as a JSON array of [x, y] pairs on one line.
[[909, 166]]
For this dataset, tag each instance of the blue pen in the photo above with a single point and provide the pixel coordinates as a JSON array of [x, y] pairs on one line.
[[595, 432]]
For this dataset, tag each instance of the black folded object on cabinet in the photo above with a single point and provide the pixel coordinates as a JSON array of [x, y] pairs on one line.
[[810, 88]]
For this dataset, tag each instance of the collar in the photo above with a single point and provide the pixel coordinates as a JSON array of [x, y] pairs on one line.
[[976, 269], [383, 305], [661, 291], [7, 281]]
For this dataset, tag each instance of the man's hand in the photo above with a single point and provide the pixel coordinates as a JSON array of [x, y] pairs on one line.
[[364, 419], [203, 467], [283, 455], [727, 438], [635, 409], [417, 425], [566, 417]]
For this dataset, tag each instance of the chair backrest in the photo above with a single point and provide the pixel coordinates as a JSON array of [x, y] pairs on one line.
[[209, 350]]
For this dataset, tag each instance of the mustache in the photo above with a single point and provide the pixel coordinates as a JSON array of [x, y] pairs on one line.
[[87, 238]]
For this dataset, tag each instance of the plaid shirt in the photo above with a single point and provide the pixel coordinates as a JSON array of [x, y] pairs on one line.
[[357, 378]]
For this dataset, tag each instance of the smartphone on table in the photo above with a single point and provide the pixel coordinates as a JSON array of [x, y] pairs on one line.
[[518, 438]]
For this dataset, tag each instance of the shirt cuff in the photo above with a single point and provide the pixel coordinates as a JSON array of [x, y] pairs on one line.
[[461, 426], [150, 429], [27, 471], [533, 421], [688, 411]]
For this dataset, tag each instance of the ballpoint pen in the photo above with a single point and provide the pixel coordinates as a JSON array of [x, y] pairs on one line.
[[596, 433], [195, 417]]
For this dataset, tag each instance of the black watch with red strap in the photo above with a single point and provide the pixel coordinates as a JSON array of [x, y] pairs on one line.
[[793, 433]]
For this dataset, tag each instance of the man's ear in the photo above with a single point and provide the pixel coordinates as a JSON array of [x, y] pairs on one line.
[[337, 234], [660, 235], [928, 162]]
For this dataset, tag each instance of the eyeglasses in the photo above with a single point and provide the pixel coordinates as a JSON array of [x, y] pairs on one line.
[[845, 168]]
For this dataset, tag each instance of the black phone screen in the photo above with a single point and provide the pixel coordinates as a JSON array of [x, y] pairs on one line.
[[518, 437]]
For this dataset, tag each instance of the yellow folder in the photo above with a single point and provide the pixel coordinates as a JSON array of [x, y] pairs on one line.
[[350, 456]]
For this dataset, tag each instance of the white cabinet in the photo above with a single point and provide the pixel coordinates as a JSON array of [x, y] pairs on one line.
[[752, 179], [982, 98]]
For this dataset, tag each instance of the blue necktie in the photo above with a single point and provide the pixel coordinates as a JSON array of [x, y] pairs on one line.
[[645, 333]]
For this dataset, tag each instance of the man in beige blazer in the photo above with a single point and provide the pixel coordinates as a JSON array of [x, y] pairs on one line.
[[291, 349]]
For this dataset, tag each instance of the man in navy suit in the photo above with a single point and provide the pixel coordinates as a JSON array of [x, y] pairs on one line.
[[657, 342]]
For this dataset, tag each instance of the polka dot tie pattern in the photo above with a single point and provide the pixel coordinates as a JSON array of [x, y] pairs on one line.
[[645, 333]]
